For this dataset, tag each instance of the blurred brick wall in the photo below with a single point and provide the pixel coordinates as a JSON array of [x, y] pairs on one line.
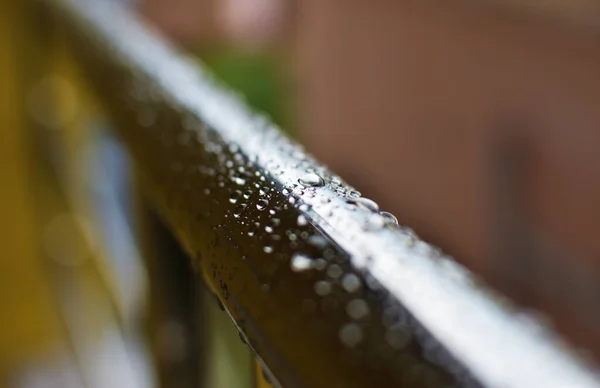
[[478, 127]]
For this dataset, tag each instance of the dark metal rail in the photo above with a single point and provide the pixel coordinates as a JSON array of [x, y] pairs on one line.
[[326, 290]]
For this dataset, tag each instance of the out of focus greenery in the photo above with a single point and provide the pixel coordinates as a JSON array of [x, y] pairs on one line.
[[257, 75]]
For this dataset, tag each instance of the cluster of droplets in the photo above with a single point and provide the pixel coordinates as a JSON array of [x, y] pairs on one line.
[[335, 281]]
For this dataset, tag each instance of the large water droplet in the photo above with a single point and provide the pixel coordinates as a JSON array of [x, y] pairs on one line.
[[389, 218], [268, 249], [301, 263], [311, 179], [350, 334], [367, 203], [262, 204]]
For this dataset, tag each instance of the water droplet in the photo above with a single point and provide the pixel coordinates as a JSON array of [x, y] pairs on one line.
[[239, 181], [272, 212], [357, 309], [319, 264], [247, 194], [285, 192], [237, 212], [206, 191], [350, 334], [268, 249], [262, 204], [304, 207], [300, 263], [350, 282], [334, 271], [268, 229], [235, 196], [367, 203], [317, 241], [354, 194], [311, 179], [389, 218], [292, 200], [322, 287], [302, 221]]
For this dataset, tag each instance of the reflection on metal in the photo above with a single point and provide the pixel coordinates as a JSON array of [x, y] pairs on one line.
[[376, 307]]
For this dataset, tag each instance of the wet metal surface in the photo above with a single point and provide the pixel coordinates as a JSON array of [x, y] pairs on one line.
[[325, 287]]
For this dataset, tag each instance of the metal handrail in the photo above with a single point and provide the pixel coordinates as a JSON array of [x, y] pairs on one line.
[[324, 288]]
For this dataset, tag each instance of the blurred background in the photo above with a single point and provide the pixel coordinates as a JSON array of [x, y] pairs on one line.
[[475, 122]]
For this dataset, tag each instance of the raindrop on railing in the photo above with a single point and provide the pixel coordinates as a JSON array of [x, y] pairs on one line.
[[351, 335], [301, 263], [389, 218], [323, 287], [334, 271], [262, 204], [319, 264], [350, 282], [368, 203], [357, 309], [235, 196], [239, 181], [237, 212], [311, 179]]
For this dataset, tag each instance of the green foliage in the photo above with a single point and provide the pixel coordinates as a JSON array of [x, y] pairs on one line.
[[256, 75]]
